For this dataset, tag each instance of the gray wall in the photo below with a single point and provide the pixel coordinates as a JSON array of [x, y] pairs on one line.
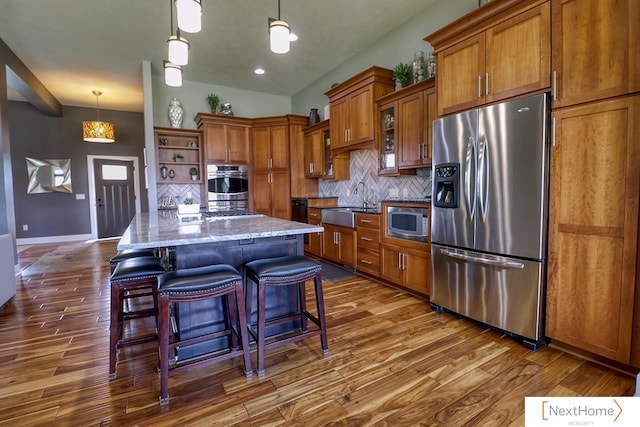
[[38, 136], [386, 50]]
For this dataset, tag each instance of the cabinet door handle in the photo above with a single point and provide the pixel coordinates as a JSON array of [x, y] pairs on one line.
[[349, 133], [479, 86], [486, 84], [366, 239], [404, 261], [554, 85], [364, 261], [553, 132], [346, 132], [419, 151], [399, 261]]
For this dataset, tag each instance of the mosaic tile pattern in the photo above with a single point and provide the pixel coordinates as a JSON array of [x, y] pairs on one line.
[[363, 168], [168, 192]]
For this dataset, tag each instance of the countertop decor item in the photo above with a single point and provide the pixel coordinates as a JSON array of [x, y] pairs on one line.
[[403, 74], [418, 66], [175, 113], [314, 117], [163, 172], [213, 100]]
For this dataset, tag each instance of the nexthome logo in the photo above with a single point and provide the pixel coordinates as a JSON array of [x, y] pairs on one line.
[[582, 411]]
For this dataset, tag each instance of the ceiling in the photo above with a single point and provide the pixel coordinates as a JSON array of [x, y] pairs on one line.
[[74, 47]]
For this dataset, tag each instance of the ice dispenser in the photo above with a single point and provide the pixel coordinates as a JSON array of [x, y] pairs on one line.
[[447, 185]]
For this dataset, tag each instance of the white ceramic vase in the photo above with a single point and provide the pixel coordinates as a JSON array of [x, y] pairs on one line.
[[175, 113]]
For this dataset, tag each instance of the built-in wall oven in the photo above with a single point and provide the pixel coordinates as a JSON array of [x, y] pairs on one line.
[[228, 187]]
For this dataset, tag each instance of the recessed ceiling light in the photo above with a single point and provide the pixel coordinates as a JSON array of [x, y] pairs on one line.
[[293, 37], [259, 71]]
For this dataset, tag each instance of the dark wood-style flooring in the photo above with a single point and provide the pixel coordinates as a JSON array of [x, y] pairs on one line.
[[392, 362]]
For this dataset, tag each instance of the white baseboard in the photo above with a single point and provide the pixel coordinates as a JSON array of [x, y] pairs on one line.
[[53, 239]]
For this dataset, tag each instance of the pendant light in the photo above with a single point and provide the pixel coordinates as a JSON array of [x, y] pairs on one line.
[[279, 34], [98, 131], [177, 45], [189, 15], [172, 74]]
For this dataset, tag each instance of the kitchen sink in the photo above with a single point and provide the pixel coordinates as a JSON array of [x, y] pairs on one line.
[[344, 216]]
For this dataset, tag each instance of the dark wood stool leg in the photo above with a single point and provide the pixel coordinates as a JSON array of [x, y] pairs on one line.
[[163, 348], [317, 280], [115, 329], [232, 313], [261, 326], [243, 330], [302, 292]]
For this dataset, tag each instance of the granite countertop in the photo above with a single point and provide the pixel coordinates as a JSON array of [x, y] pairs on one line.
[[162, 229]]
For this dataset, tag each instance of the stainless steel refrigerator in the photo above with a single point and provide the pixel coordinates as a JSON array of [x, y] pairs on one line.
[[489, 215]]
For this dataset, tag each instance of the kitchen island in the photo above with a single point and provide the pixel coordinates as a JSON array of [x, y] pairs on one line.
[[215, 240]]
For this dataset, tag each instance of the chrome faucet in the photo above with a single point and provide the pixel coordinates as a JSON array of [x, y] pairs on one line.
[[365, 202]]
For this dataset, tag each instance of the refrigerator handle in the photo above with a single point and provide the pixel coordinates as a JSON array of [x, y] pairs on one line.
[[483, 176], [469, 187], [481, 260]]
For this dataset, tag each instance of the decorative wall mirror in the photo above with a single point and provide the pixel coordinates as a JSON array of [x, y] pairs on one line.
[[47, 176]]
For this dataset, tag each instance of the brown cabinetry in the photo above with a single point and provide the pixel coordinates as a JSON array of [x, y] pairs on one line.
[[593, 226], [339, 244], [596, 46], [319, 160], [314, 246], [353, 110], [368, 243], [177, 152], [496, 52], [225, 139], [406, 118]]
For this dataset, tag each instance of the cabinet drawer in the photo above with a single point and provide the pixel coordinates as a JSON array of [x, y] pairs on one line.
[[368, 238], [368, 261], [367, 220], [314, 214]]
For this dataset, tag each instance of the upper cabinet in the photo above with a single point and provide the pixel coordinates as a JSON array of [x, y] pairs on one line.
[[596, 47], [225, 139], [319, 160], [498, 51], [270, 147], [353, 109], [406, 121]]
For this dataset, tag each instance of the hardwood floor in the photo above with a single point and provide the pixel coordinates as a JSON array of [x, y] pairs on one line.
[[392, 362]]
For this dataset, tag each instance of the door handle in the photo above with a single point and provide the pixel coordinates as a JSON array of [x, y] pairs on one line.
[[479, 86], [480, 260], [486, 84], [483, 176], [469, 187], [554, 85]]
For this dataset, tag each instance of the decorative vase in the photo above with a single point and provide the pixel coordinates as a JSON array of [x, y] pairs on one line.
[[163, 172], [175, 113], [226, 109], [314, 117]]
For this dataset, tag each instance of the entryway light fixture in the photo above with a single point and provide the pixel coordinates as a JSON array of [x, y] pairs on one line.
[[172, 74], [98, 131], [279, 37], [189, 15]]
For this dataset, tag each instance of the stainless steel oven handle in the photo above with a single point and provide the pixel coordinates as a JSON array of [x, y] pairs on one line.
[[480, 260]]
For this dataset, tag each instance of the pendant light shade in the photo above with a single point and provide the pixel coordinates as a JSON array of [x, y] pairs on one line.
[[96, 130], [279, 36], [178, 49], [172, 74], [189, 15]]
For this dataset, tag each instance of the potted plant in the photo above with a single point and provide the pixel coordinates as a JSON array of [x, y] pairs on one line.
[[213, 100], [178, 157], [187, 206], [403, 74], [194, 174]]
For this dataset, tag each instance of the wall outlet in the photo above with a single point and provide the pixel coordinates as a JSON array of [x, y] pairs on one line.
[[25, 227], [79, 196], [393, 192], [348, 193]]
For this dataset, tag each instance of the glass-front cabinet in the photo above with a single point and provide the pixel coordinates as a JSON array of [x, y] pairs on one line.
[[388, 157]]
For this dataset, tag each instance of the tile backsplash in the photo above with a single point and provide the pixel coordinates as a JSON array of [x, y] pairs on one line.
[[363, 167]]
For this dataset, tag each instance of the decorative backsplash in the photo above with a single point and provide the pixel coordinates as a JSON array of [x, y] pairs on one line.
[[172, 194], [364, 168]]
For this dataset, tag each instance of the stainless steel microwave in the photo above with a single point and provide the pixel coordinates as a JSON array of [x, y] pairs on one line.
[[408, 223]]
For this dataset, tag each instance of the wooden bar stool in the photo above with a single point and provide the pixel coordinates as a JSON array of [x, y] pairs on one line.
[[128, 254], [285, 271], [196, 284], [132, 278]]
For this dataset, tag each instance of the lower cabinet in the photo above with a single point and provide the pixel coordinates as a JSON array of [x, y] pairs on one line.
[[271, 194], [339, 244], [409, 268], [368, 243], [314, 245]]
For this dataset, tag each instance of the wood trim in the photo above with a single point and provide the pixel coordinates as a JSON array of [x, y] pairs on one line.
[[373, 74], [322, 125], [406, 91], [202, 118]]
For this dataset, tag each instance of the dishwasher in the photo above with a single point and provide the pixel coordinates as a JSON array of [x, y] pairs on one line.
[[299, 212]]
